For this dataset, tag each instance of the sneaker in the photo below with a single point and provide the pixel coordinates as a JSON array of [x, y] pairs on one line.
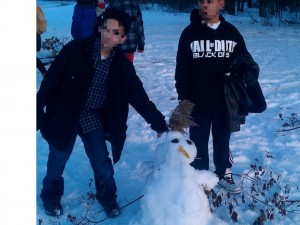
[[227, 182], [53, 208], [112, 209]]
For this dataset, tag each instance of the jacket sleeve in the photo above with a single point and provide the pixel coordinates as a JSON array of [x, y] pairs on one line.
[[50, 83], [140, 101], [183, 69]]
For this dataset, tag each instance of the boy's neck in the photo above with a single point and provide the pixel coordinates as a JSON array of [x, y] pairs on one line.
[[105, 51], [212, 20]]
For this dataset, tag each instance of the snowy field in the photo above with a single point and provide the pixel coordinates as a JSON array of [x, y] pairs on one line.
[[277, 51]]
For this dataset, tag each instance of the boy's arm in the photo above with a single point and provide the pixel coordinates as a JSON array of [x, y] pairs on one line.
[[140, 101], [183, 70]]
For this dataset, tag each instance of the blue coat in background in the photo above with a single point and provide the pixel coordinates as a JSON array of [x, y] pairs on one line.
[[84, 19]]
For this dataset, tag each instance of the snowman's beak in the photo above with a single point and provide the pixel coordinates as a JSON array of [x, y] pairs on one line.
[[184, 152]]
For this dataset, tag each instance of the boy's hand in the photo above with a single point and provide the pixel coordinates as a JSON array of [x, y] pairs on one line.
[[159, 134]]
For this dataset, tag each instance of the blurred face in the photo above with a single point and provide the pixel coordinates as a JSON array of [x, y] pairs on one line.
[[210, 10], [112, 34]]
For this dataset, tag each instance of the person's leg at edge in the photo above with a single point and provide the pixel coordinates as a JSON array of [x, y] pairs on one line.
[[40, 66], [53, 182]]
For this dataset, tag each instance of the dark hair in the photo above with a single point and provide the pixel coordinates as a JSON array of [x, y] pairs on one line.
[[115, 13]]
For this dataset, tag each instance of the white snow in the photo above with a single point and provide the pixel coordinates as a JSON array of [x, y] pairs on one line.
[[275, 48]]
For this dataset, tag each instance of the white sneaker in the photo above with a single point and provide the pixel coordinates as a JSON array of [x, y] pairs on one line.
[[227, 182]]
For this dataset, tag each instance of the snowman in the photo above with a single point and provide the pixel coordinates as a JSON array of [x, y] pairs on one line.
[[175, 192]]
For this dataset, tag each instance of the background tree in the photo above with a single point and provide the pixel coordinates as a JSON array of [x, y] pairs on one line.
[[240, 6], [230, 7], [266, 8], [249, 3], [262, 8]]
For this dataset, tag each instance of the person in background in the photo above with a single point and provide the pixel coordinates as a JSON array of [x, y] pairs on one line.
[[41, 26], [84, 18], [87, 93], [135, 38], [206, 49], [100, 8]]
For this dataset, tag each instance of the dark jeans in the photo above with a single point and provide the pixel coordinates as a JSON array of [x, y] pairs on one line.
[[96, 150], [39, 63], [217, 122], [40, 66]]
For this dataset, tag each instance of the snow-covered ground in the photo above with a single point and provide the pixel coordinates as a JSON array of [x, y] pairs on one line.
[[277, 51]]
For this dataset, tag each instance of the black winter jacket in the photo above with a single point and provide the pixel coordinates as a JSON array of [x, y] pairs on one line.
[[203, 56], [242, 91], [63, 92]]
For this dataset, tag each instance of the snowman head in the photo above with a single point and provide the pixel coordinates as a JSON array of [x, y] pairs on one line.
[[180, 148], [176, 147]]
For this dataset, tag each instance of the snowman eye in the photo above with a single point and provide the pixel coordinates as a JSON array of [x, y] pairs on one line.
[[189, 142], [175, 141]]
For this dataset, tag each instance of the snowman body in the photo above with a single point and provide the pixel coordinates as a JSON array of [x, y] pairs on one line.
[[175, 191]]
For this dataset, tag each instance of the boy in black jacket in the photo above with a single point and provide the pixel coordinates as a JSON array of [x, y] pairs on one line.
[[87, 92], [205, 50]]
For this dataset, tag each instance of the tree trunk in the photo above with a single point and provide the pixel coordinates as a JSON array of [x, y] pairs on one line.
[[263, 8], [181, 5], [230, 7], [249, 3], [240, 6]]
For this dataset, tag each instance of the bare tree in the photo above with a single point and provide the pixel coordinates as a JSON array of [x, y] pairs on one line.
[[240, 6], [263, 8], [267, 8], [230, 7]]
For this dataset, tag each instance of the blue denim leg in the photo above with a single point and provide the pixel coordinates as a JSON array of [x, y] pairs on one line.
[[53, 183], [96, 150], [200, 136]]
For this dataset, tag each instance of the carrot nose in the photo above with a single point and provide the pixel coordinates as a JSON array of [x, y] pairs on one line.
[[184, 152]]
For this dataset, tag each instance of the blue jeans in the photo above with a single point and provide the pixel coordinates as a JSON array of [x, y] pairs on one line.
[[96, 150], [217, 122]]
